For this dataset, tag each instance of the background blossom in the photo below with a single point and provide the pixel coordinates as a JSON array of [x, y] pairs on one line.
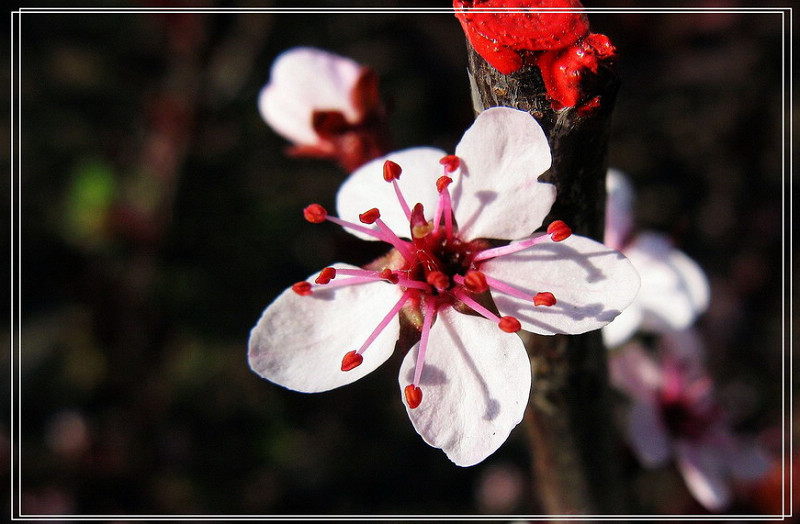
[[674, 291], [674, 415]]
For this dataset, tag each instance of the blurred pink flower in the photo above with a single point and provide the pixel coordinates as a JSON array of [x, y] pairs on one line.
[[447, 278], [674, 291], [327, 105], [673, 415]]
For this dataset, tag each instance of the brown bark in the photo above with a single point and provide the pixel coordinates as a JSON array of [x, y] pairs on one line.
[[569, 419]]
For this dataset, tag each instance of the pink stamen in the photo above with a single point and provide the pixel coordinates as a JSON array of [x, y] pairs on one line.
[[430, 310], [413, 396], [385, 322], [444, 207], [450, 163], [544, 298], [413, 284], [391, 173], [506, 288], [391, 170], [315, 213], [509, 324], [302, 288], [443, 182], [326, 275], [475, 282], [351, 361], [401, 199], [510, 248], [558, 230], [370, 216], [342, 282], [389, 275], [463, 297], [357, 227], [438, 280], [402, 246]]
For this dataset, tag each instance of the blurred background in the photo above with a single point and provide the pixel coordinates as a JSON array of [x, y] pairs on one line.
[[160, 216]]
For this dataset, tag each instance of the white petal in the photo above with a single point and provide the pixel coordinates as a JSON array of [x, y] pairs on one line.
[[623, 327], [592, 284], [475, 386], [674, 288], [703, 470], [647, 434], [498, 195], [619, 208], [366, 188], [304, 80], [299, 341]]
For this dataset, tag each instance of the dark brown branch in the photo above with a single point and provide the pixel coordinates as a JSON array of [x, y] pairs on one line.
[[569, 419]]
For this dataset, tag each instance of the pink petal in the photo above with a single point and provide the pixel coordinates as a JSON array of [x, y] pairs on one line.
[[686, 348], [745, 459], [619, 209], [498, 194], [674, 288], [703, 470], [475, 386], [299, 341], [634, 372], [591, 283], [304, 80], [648, 436], [366, 188]]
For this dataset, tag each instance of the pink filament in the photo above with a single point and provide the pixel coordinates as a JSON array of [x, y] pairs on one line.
[[463, 297], [401, 199], [393, 239], [430, 310], [385, 322], [507, 288], [510, 248]]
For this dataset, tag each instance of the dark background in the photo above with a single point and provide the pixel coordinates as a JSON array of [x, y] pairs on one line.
[[160, 216]]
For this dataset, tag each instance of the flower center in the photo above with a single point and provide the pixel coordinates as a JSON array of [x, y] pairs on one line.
[[683, 421], [436, 267]]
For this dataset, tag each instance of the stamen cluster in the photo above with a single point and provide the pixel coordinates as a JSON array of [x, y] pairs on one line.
[[437, 268]]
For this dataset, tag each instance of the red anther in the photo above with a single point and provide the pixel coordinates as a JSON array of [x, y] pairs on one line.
[[351, 360], [315, 213], [475, 282], [438, 280], [558, 230], [544, 299], [370, 216], [413, 395], [302, 288], [450, 163], [509, 324], [388, 275], [391, 171], [442, 183], [326, 275]]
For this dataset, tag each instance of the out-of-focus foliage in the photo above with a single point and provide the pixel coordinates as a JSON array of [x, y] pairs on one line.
[[160, 216]]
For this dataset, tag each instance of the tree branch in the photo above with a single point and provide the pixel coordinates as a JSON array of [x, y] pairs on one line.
[[569, 419]]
